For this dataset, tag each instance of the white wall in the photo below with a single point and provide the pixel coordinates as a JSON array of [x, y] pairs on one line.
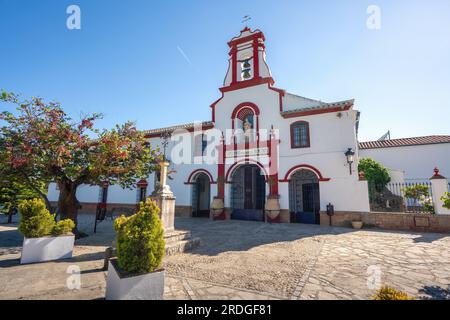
[[330, 137], [418, 162]]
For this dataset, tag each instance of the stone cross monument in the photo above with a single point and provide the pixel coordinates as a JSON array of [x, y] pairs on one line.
[[165, 199]]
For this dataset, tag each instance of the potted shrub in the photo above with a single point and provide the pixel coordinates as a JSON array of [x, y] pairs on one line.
[[272, 207], [44, 239], [217, 208], [135, 273]]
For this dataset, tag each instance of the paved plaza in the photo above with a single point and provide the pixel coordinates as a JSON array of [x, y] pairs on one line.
[[249, 260]]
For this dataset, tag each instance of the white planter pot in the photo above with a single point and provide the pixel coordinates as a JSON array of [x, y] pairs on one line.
[[357, 224], [149, 286], [47, 249]]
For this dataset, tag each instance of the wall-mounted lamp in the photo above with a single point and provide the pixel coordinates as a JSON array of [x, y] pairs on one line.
[[350, 155]]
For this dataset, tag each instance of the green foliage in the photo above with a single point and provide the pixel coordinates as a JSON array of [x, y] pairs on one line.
[[416, 191], [63, 227], [421, 194], [140, 240], [40, 142], [36, 221], [446, 199], [389, 293], [375, 173], [12, 191]]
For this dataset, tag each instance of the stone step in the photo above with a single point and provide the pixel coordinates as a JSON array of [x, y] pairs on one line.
[[176, 236], [182, 246]]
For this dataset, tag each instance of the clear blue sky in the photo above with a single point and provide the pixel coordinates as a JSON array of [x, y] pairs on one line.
[[125, 60]]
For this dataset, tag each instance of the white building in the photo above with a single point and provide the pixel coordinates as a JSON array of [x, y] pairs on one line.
[[414, 157], [274, 144]]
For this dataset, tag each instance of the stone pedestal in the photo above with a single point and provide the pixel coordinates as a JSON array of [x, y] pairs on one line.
[[176, 240], [166, 203], [439, 185]]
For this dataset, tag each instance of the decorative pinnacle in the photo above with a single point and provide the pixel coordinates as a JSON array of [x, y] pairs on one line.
[[436, 171]]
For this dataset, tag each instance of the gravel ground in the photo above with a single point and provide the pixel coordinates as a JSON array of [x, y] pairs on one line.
[[247, 255], [249, 260]]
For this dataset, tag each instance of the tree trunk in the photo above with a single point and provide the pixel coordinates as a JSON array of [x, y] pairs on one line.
[[10, 214], [67, 203]]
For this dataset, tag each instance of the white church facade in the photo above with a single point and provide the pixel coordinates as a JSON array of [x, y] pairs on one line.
[[262, 143]]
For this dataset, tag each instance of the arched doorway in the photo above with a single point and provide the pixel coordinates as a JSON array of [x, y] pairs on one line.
[[248, 193], [201, 189], [304, 197]]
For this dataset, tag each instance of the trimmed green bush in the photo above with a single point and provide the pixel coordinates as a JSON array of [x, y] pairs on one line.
[[140, 240], [446, 199], [375, 173], [36, 221], [63, 227], [389, 293]]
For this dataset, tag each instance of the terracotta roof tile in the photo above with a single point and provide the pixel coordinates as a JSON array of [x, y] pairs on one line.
[[416, 141], [173, 128], [320, 106]]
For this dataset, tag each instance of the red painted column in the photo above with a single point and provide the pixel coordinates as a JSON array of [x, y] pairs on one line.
[[221, 170], [273, 163], [256, 59], [234, 65]]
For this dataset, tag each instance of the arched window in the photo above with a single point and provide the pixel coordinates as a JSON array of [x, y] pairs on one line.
[[300, 135]]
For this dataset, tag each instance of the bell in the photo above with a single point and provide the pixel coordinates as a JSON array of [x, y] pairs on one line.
[[247, 74], [247, 64]]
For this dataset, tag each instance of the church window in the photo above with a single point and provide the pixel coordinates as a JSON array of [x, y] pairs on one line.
[[300, 135], [201, 143]]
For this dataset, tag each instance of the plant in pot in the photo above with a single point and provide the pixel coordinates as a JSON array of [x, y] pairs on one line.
[[217, 208], [136, 273], [44, 238], [272, 208]]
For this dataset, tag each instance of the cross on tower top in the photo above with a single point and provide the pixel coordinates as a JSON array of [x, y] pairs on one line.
[[246, 18]]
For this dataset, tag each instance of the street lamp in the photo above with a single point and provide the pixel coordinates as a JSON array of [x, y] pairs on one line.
[[350, 155]]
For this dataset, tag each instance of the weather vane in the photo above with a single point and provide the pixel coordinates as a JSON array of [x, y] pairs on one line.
[[246, 18]]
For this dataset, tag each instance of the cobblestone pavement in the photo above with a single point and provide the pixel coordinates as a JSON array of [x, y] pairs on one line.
[[250, 260]]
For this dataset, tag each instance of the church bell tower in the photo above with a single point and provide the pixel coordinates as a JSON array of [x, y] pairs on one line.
[[247, 65]]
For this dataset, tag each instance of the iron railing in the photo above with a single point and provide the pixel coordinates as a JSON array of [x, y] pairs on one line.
[[415, 197]]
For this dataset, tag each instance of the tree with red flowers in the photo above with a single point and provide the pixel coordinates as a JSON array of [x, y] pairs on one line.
[[41, 143]]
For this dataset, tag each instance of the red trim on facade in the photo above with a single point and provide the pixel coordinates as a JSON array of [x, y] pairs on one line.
[[213, 108], [233, 66], [273, 164], [252, 37], [292, 135], [304, 166], [250, 105], [282, 93], [255, 59], [247, 83], [243, 162], [221, 170], [238, 109], [195, 172], [314, 112]]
